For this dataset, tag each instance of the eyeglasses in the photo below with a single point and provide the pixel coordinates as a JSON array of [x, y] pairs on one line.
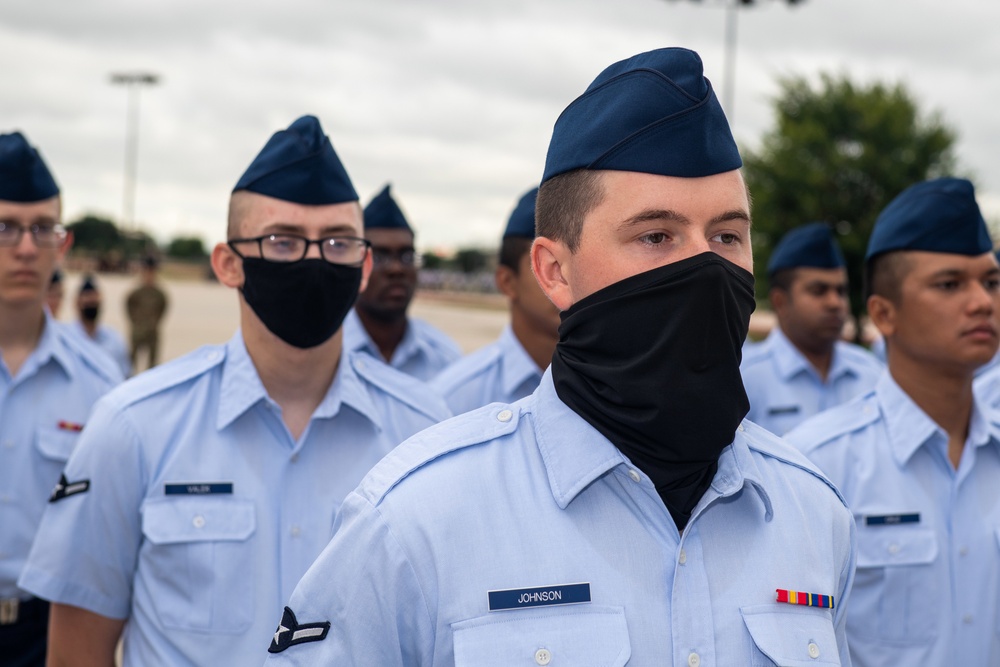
[[44, 236], [347, 250], [381, 256]]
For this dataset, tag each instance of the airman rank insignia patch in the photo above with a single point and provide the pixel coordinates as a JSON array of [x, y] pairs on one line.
[[65, 488], [807, 599], [290, 632]]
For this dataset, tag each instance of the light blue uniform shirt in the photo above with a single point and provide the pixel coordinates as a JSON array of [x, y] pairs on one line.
[[928, 579], [423, 353], [530, 496], [501, 372], [202, 511], [42, 410], [110, 341], [784, 388]]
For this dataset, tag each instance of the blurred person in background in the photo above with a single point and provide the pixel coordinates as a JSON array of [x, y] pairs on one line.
[[89, 302], [146, 305]]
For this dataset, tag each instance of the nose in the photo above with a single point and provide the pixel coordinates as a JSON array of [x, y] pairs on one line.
[[313, 251], [984, 300], [26, 246]]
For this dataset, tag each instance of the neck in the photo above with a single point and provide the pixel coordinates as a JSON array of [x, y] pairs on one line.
[[295, 379], [90, 326], [819, 355], [21, 328], [944, 394], [540, 345], [386, 333]]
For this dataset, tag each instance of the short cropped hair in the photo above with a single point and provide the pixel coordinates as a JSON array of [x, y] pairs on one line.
[[512, 249], [563, 202], [884, 275], [239, 203], [783, 279]]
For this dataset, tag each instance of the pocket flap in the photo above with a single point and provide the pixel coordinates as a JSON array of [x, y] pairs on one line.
[[896, 545], [793, 636], [54, 443], [583, 635], [197, 519]]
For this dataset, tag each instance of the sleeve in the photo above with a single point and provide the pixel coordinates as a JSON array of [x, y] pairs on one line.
[[365, 591], [87, 545], [846, 583]]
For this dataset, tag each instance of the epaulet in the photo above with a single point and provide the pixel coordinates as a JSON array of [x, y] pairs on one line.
[[755, 352], [856, 414], [431, 334], [168, 375], [405, 388], [466, 430], [767, 444], [860, 355], [463, 370], [90, 354]]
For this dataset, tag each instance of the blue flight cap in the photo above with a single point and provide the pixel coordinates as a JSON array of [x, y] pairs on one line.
[[383, 212], [23, 175], [811, 245], [522, 220], [299, 165], [654, 113], [88, 285], [940, 215], [56, 277]]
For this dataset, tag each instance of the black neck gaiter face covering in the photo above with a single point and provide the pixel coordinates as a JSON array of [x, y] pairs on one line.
[[303, 303], [653, 363]]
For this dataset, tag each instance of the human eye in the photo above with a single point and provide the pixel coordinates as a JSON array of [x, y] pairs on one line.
[[282, 246], [946, 285], [992, 283], [654, 238], [726, 238]]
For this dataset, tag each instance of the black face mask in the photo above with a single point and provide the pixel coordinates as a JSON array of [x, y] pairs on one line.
[[90, 313], [653, 363], [303, 303]]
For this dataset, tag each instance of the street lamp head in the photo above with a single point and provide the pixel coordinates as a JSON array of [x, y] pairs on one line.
[[129, 78]]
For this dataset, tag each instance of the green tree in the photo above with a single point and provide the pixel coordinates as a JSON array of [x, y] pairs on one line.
[[95, 235], [187, 247], [839, 152], [471, 260]]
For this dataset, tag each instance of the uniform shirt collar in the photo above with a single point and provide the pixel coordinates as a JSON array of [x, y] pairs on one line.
[[790, 361], [575, 453], [518, 367], [356, 337], [242, 388], [50, 347]]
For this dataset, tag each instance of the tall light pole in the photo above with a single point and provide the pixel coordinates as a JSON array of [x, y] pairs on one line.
[[132, 81], [729, 73]]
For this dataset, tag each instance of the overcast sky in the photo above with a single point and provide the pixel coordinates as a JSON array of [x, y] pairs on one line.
[[452, 101]]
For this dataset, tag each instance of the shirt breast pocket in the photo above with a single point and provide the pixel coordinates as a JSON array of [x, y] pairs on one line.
[[582, 636], [198, 566], [791, 636], [895, 588], [55, 444]]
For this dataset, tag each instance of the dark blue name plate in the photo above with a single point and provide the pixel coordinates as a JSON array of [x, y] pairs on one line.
[[891, 519], [198, 489], [784, 410], [542, 596]]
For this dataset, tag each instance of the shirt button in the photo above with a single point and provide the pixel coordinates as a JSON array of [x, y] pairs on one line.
[[740, 428], [683, 557], [506, 416], [893, 548], [9, 444], [964, 551], [213, 356], [967, 619], [634, 475], [543, 656], [296, 531], [694, 660], [295, 458], [198, 521], [813, 650]]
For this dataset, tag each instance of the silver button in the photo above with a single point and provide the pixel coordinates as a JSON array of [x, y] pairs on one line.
[[9, 444], [506, 416], [634, 475], [894, 548], [694, 660], [295, 458], [198, 521], [683, 557], [813, 650], [213, 355], [964, 551], [543, 656], [740, 428], [359, 364], [967, 619], [296, 531]]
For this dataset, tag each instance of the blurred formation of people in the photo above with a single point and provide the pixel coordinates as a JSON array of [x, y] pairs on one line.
[[379, 323], [89, 303], [146, 306], [49, 379]]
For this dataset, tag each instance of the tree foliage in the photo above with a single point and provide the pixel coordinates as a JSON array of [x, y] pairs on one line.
[[97, 237], [839, 152], [187, 247]]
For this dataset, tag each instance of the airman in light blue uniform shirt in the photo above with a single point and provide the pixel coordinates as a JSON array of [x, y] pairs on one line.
[[803, 367], [49, 381], [522, 533], [379, 324], [924, 494], [506, 370], [202, 494]]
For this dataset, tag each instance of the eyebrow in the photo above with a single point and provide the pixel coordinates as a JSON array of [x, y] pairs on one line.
[[667, 215], [288, 228]]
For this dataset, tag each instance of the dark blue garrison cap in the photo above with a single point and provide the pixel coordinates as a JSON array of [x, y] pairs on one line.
[[654, 113], [299, 165], [383, 212], [88, 285], [811, 245], [23, 175], [937, 216], [522, 220]]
